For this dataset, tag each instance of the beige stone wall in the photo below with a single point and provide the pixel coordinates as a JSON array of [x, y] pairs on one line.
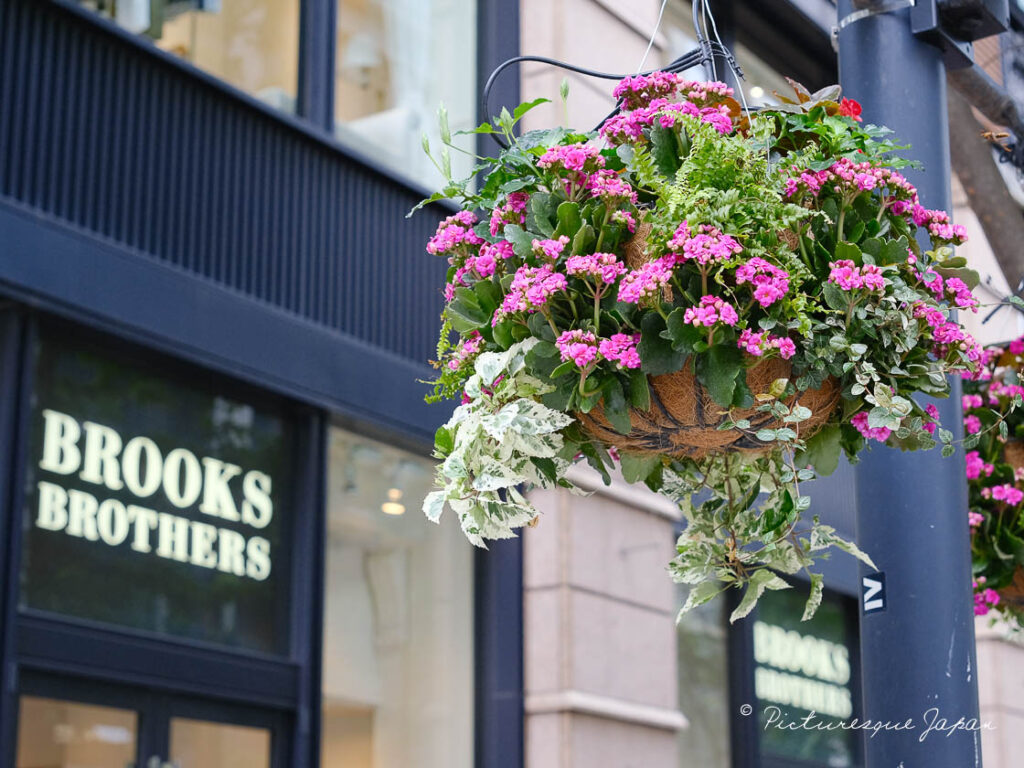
[[1001, 694], [599, 634]]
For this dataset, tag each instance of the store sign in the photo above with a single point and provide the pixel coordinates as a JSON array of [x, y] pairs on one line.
[[802, 671], [78, 452], [155, 501]]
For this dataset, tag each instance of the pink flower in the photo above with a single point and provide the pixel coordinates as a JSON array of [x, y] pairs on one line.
[[621, 349], [610, 187], [933, 413], [466, 348], [572, 157], [578, 346], [770, 282], [625, 217], [453, 232], [1007, 493], [709, 244], [976, 466], [846, 275], [971, 401], [646, 282], [850, 108], [1017, 346], [604, 266], [974, 519], [640, 90], [550, 249], [711, 310], [972, 424], [860, 421], [984, 599], [757, 344], [785, 346], [512, 212], [530, 289]]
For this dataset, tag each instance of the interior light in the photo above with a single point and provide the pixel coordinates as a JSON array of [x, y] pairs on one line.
[[391, 506], [756, 92]]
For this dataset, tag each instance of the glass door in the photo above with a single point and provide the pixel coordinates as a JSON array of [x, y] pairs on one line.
[[74, 723]]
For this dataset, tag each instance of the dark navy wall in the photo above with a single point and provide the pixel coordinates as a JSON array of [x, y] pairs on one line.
[[103, 134]]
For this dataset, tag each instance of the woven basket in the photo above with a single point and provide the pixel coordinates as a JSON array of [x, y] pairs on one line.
[[1013, 593], [683, 419], [1013, 454]]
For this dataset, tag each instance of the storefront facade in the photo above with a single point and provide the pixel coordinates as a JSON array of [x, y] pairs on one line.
[[213, 320]]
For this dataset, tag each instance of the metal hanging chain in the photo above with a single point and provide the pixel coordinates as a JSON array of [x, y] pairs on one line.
[[708, 48]]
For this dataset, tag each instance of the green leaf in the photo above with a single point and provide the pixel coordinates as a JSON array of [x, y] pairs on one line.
[[569, 220], [522, 241], [969, 276], [639, 390], [444, 441], [814, 600], [822, 450], [433, 505], [849, 251], [682, 334], [700, 594], [893, 252], [718, 370], [522, 109], [835, 297], [657, 355], [759, 582], [1017, 301], [465, 311], [615, 408], [636, 467], [665, 150], [584, 240]]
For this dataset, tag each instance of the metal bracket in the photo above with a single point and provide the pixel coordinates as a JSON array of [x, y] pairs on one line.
[[926, 24], [953, 25]]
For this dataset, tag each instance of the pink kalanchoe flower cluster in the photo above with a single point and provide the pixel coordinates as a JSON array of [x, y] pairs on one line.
[[512, 212], [1017, 346], [972, 424], [939, 225], [975, 519], [847, 276], [580, 158], [705, 94], [977, 466], [711, 310], [985, 598], [706, 244], [467, 348], [850, 179], [453, 232], [621, 349], [860, 421], [625, 217], [770, 282], [630, 126], [961, 295], [606, 267], [757, 344], [578, 346], [530, 289], [611, 188], [1005, 492], [971, 401], [550, 249], [641, 90], [933, 414], [646, 282]]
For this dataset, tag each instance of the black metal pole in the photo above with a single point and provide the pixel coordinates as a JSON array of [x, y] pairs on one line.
[[918, 654]]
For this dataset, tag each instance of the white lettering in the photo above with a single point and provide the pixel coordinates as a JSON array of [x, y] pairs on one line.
[[100, 465], [203, 536], [232, 552], [257, 509], [60, 438], [145, 521], [112, 522], [179, 495], [258, 552], [82, 508], [132, 470], [53, 507], [172, 538], [217, 498]]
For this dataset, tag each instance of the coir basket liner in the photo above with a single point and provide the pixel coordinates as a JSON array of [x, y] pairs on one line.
[[683, 419]]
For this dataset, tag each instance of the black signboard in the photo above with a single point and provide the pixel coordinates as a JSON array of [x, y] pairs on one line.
[[155, 499]]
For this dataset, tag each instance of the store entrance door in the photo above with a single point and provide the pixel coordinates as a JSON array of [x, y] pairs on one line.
[[74, 723]]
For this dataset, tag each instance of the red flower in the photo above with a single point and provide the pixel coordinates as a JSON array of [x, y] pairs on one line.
[[850, 108]]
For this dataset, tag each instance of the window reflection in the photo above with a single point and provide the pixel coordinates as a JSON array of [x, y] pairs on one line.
[[396, 60], [252, 44], [704, 686], [398, 641], [66, 734]]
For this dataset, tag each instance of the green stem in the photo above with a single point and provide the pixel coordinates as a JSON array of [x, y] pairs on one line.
[[597, 309], [839, 226], [600, 235]]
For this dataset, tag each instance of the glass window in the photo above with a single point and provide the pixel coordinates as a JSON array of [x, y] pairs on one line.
[[155, 501], [252, 44], [704, 686], [65, 734], [398, 636], [396, 61], [202, 744]]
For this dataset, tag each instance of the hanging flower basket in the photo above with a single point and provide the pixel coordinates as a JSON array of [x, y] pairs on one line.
[[994, 428], [729, 300]]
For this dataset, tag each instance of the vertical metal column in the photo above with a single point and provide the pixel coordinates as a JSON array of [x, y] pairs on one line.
[[918, 653]]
